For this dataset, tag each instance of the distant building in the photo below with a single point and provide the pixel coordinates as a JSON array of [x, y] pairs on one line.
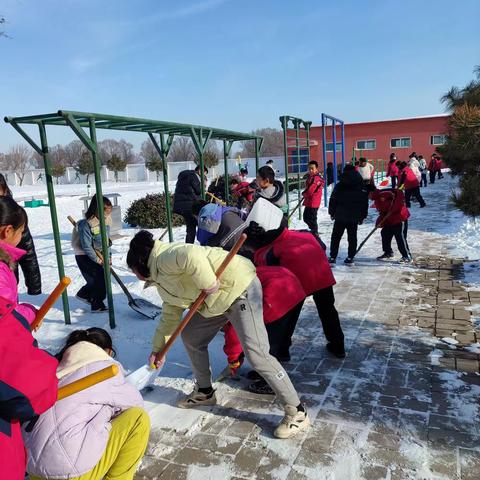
[[377, 140]]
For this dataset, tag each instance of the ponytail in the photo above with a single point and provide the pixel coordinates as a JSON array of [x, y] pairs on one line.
[[139, 252], [97, 336]]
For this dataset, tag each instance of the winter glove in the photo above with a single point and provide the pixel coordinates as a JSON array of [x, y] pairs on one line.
[[154, 361], [213, 289], [236, 364]]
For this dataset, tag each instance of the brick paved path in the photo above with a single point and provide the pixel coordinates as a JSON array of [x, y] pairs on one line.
[[401, 405]]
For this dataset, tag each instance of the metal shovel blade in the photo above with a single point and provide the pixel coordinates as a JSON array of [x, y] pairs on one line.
[[143, 377], [145, 308]]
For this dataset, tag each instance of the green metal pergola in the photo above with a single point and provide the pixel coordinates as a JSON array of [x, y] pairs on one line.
[[85, 126]]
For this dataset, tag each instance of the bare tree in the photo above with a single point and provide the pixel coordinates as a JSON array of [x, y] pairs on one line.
[[211, 155], [150, 156], [272, 143], [19, 159], [182, 150], [73, 152], [118, 148]]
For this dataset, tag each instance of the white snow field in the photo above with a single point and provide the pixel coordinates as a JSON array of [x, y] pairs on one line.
[[356, 432]]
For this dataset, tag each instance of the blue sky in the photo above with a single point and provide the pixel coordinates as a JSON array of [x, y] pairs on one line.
[[233, 64]]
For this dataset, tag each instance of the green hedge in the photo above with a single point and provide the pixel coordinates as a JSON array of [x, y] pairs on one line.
[[150, 212]]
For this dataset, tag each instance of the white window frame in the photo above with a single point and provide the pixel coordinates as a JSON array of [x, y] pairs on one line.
[[368, 140], [438, 135], [401, 138], [338, 149]]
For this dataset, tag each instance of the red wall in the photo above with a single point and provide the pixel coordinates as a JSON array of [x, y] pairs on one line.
[[418, 129]]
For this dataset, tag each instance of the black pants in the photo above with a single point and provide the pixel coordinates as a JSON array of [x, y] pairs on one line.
[[191, 223], [399, 231], [432, 177], [281, 331], [440, 174], [310, 218], [325, 301], [93, 274], [337, 234], [394, 179], [413, 192], [423, 181]]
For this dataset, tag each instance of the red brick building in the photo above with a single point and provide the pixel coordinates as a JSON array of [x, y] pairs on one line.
[[377, 140]]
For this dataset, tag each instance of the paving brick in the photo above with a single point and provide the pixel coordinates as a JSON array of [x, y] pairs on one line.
[[374, 472], [461, 314], [469, 464], [467, 365]]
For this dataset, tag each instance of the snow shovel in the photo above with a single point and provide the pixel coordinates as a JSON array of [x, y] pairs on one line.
[[141, 306], [143, 376], [200, 299]]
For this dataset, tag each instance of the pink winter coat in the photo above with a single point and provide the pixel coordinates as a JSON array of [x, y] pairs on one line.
[[281, 292], [8, 282], [302, 254], [69, 439]]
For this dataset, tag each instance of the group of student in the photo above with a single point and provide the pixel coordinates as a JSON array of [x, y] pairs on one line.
[[103, 431]]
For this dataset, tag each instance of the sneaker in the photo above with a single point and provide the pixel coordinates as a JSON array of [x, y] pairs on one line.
[[405, 260], [348, 261], [332, 260], [337, 351], [261, 387], [293, 422], [99, 308], [198, 399], [83, 299], [385, 256]]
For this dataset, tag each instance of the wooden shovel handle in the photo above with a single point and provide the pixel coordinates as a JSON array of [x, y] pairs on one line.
[[47, 305], [200, 299]]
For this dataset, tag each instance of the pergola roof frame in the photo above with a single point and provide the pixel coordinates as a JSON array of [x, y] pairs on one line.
[[78, 122]]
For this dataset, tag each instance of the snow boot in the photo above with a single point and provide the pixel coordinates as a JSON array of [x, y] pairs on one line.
[[405, 260], [385, 256], [293, 422], [198, 399], [349, 261], [332, 260]]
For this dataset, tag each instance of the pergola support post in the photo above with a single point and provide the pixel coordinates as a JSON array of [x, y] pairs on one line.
[[200, 143], [163, 150], [284, 122], [53, 214], [227, 148], [103, 227]]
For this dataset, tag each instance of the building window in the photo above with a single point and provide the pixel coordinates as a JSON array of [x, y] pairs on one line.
[[366, 144], [329, 147], [403, 142], [438, 139]]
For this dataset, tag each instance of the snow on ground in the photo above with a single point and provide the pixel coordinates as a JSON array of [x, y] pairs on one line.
[[132, 337]]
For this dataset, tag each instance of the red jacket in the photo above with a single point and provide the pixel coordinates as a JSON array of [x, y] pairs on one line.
[[281, 292], [302, 254], [244, 190], [408, 178], [392, 170], [28, 387], [390, 200], [312, 195]]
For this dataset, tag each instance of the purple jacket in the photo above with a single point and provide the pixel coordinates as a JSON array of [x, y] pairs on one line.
[[69, 439]]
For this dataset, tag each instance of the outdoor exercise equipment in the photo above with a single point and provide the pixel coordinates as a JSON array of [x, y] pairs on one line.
[[49, 302], [296, 150], [165, 131], [334, 122]]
